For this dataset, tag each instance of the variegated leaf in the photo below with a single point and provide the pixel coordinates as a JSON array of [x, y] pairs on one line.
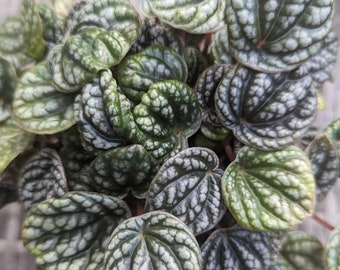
[[137, 72], [333, 133], [41, 178], [237, 248], [38, 106], [220, 47], [188, 186], [196, 64], [155, 240], [332, 251], [276, 35], [8, 81], [71, 232], [269, 190], [266, 111], [200, 16], [123, 169]]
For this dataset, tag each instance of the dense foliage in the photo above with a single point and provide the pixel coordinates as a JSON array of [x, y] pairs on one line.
[[180, 139]]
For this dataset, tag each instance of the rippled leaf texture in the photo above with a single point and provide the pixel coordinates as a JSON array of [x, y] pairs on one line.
[[8, 81], [155, 240], [320, 66], [269, 190], [92, 120], [277, 35], [237, 248], [8, 193], [196, 64], [166, 116], [14, 141], [41, 178], [71, 232], [266, 111], [21, 39], [77, 62], [111, 15], [325, 164], [205, 90], [333, 133], [38, 106], [200, 16], [156, 63], [123, 169], [188, 186], [332, 250], [300, 250], [154, 33], [220, 47]]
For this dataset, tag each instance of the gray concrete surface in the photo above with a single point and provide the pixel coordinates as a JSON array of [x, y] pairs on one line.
[[13, 255]]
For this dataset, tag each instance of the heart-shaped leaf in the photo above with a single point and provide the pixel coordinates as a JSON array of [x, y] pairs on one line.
[[111, 15], [276, 36], [38, 106], [14, 141], [269, 190], [156, 63], [299, 250], [41, 178], [188, 186], [237, 248], [332, 250], [266, 111], [71, 232], [92, 120], [194, 16], [8, 193], [124, 169], [325, 164], [155, 240]]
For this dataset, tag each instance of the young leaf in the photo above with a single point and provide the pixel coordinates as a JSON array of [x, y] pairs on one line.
[[200, 16], [155, 240], [41, 178], [110, 15], [276, 36], [8, 193], [237, 248], [14, 141], [38, 106], [188, 186], [269, 190], [124, 169], [325, 164], [266, 111], [137, 72], [300, 250], [71, 232], [332, 251]]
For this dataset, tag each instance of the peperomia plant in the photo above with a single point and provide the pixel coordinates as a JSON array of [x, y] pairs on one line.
[[183, 138]]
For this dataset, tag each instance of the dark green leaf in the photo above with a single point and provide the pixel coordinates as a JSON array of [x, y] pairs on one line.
[[332, 251], [193, 16], [277, 35], [266, 111], [38, 106], [42, 177], [155, 240], [124, 169], [188, 186], [156, 63], [269, 190], [8, 193], [71, 232], [196, 64], [300, 250], [237, 248], [8, 81], [325, 164]]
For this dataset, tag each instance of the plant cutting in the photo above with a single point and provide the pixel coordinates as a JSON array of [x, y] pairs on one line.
[[183, 138]]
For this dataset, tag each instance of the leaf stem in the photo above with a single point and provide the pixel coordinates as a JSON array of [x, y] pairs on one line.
[[323, 222]]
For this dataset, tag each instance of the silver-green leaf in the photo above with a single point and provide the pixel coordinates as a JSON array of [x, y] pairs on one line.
[[155, 240], [188, 186], [71, 232], [277, 35], [332, 250], [269, 190], [41, 178]]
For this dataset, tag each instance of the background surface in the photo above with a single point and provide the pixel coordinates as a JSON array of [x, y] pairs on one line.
[[13, 255]]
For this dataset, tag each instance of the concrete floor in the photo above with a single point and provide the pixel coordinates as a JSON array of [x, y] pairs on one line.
[[13, 255]]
